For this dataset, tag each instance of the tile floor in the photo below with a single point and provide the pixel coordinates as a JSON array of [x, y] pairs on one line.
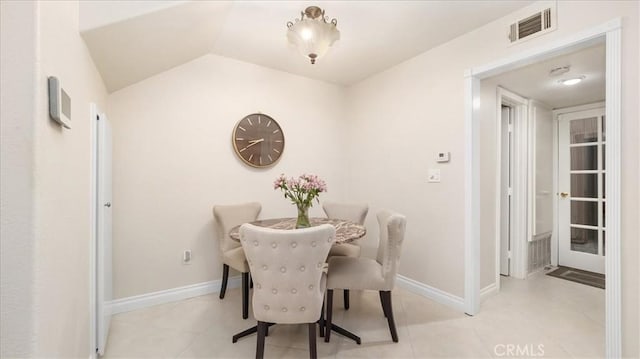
[[539, 317]]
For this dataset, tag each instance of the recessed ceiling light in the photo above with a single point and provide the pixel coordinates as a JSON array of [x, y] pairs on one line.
[[572, 81]]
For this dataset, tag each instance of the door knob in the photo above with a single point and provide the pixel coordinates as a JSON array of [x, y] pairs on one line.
[[108, 204], [564, 194]]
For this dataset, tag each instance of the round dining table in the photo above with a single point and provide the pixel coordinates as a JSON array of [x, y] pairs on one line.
[[346, 231]]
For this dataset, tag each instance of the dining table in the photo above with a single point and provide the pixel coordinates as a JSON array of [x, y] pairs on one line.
[[346, 231]]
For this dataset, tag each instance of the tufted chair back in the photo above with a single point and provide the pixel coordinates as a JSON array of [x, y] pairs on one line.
[[287, 271], [392, 228], [229, 216], [351, 212]]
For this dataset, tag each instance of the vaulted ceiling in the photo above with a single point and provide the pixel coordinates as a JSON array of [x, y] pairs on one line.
[[132, 40]]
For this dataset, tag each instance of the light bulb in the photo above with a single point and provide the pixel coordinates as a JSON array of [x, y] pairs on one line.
[[572, 81], [306, 34]]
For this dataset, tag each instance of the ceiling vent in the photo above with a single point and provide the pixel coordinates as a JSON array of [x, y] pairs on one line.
[[534, 25]]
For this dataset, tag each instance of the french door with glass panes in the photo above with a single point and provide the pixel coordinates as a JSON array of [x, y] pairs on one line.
[[582, 200]]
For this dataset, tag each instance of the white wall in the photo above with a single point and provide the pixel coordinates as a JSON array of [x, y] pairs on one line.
[[399, 120], [542, 188], [173, 160], [62, 185], [45, 182], [402, 117], [17, 110]]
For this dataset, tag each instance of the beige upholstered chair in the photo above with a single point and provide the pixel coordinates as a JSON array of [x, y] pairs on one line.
[[372, 274], [353, 212], [227, 217], [287, 270]]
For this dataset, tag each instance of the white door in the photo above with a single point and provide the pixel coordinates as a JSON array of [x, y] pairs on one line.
[[103, 231], [506, 190], [581, 178]]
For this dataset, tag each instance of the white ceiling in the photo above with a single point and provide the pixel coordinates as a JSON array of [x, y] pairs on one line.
[[132, 40], [534, 82]]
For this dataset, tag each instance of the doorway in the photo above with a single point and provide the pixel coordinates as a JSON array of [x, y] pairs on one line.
[[611, 33], [506, 189], [550, 139], [511, 183]]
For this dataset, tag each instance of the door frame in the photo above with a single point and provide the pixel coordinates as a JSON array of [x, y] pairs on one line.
[[93, 249], [95, 115], [611, 32], [520, 135]]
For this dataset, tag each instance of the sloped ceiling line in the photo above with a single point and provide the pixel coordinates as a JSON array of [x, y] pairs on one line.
[[133, 40]]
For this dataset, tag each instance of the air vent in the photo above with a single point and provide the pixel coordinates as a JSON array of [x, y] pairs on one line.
[[537, 23]]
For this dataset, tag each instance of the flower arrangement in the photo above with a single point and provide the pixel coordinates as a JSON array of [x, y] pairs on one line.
[[301, 191]]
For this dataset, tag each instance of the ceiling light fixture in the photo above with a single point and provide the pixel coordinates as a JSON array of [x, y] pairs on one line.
[[313, 33], [572, 81]]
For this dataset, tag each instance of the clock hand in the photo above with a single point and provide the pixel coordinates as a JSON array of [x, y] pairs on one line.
[[251, 143]]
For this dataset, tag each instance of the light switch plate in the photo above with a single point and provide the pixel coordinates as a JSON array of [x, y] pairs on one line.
[[433, 175]]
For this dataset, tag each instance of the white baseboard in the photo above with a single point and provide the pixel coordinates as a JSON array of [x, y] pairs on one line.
[[432, 293], [488, 291], [169, 295], [194, 290]]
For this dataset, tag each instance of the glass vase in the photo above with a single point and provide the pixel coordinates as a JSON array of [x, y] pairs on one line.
[[303, 217]]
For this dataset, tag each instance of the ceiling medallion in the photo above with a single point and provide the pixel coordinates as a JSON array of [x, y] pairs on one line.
[[313, 33]]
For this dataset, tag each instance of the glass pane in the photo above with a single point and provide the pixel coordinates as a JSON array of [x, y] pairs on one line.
[[604, 187], [604, 156], [585, 213], [584, 130], [584, 158], [584, 240], [604, 241], [604, 128], [584, 185], [604, 222]]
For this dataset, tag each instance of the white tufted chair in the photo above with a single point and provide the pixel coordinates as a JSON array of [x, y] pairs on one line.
[[227, 217], [355, 213], [287, 270], [371, 274]]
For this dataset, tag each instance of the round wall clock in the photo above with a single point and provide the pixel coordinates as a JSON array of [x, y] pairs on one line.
[[258, 140]]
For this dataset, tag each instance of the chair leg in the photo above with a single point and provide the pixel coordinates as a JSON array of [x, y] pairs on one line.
[[346, 299], [327, 332], [262, 327], [386, 300], [384, 309], [313, 353], [245, 295], [321, 321], [225, 278]]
